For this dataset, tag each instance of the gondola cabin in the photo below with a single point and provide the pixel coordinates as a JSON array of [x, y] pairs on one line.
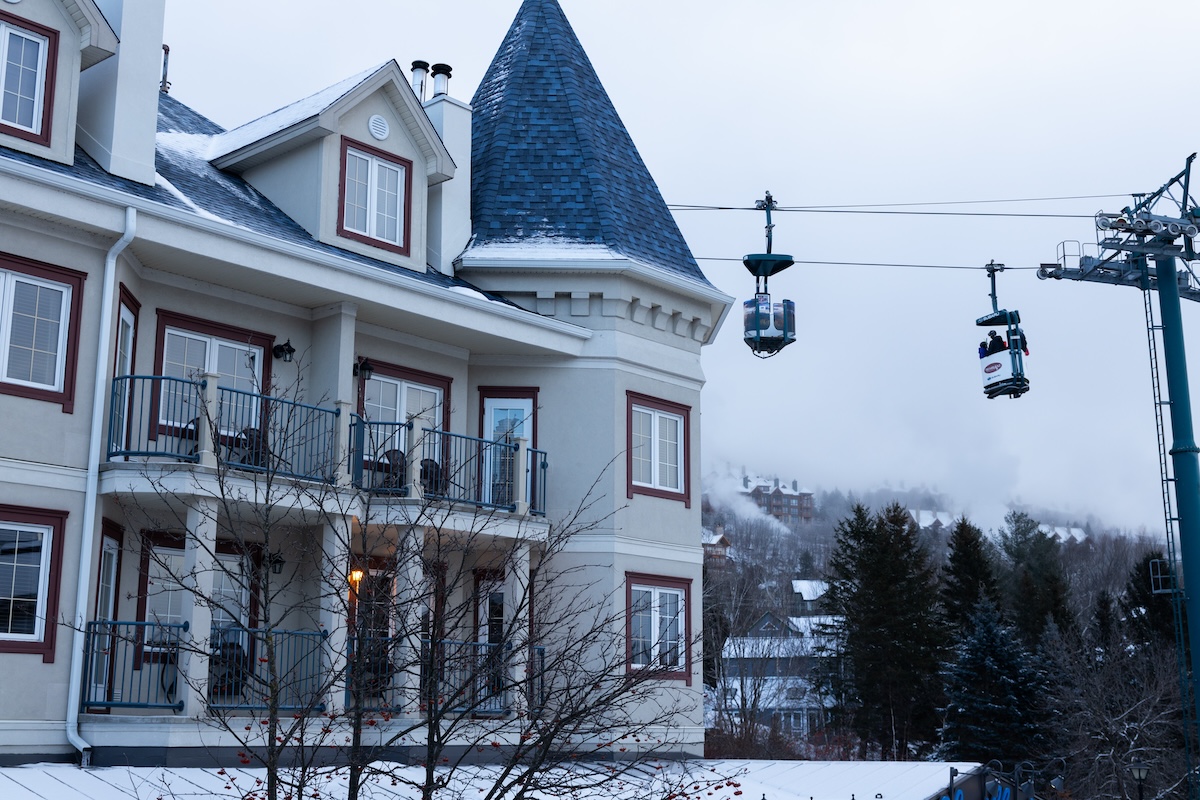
[[1002, 356], [769, 327]]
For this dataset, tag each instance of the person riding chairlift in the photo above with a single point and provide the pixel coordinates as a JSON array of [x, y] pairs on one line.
[[995, 344]]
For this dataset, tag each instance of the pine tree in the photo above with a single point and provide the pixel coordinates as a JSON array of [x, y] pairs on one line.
[[883, 593], [995, 696], [1035, 586], [1150, 615], [968, 577]]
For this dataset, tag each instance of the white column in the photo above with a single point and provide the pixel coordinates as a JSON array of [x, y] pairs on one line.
[[208, 421], [334, 592], [199, 565], [521, 477], [342, 468], [411, 589], [517, 588]]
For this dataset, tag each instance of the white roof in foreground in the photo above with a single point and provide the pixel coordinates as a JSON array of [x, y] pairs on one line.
[[716, 780]]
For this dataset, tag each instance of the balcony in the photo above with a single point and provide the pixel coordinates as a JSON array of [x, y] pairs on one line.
[[391, 458], [140, 666], [158, 417]]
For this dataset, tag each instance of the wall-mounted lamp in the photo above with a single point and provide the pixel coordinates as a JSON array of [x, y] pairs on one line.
[[284, 351], [276, 562], [356, 575], [364, 368]]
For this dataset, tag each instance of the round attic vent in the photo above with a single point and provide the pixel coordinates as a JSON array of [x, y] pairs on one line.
[[379, 127]]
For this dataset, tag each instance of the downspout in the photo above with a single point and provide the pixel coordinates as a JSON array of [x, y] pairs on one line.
[[83, 584]]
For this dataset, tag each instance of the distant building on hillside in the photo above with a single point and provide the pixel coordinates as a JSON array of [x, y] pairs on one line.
[[932, 521], [806, 596], [1064, 535], [787, 503], [716, 546]]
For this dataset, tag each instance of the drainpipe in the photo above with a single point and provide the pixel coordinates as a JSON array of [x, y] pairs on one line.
[[83, 585]]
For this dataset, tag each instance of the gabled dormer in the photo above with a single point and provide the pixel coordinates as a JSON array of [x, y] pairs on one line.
[[44, 45], [352, 164]]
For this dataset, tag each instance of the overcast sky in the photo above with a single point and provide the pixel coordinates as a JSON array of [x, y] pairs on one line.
[[847, 102]]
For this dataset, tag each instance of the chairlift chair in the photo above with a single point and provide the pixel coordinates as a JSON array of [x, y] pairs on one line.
[[1003, 371]]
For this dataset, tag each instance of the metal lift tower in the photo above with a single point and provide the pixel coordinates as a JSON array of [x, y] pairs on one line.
[[1140, 247]]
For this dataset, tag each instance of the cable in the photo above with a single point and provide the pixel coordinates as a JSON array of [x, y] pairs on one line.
[[690, 207], [899, 213], [874, 264]]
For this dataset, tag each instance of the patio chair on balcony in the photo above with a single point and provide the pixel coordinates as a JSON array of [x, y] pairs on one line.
[[391, 469], [256, 452], [228, 671], [433, 477]]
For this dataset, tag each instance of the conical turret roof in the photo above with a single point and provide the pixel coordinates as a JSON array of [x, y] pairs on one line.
[[551, 159]]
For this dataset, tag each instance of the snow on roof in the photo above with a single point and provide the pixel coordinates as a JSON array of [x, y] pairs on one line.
[[543, 246], [809, 590], [733, 779], [1064, 534], [289, 115], [771, 484], [927, 519]]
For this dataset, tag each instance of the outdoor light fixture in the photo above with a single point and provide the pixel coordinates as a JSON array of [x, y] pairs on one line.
[[276, 562], [364, 368], [1139, 771], [284, 351], [356, 575]]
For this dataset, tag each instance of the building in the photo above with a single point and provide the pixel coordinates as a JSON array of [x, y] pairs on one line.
[[786, 502], [940, 522], [320, 349]]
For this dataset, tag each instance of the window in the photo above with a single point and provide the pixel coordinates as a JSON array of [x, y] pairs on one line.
[[395, 396], [30, 555], [659, 624], [657, 455], [375, 206], [27, 55], [38, 343], [164, 600], [189, 347], [506, 414]]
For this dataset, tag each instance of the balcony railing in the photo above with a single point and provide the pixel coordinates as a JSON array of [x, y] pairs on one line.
[[155, 416], [373, 673], [466, 677], [390, 457], [132, 665], [240, 675]]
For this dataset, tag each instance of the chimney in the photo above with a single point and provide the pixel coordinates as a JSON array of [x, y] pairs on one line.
[[118, 98], [441, 79], [449, 223], [420, 69]]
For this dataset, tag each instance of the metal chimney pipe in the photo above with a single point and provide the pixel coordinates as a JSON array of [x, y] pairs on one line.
[[441, 79], [165, 85], [420, 69]]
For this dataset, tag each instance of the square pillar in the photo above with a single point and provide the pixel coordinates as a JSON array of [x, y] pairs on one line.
[[199, 570], [334, 593]]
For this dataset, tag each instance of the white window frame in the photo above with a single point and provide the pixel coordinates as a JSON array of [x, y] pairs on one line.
[[6, 30], [212, 345], [401, 414], [657, 451], [372, 228], [168, 562], [660, 647], [8, 288], [47, 534]]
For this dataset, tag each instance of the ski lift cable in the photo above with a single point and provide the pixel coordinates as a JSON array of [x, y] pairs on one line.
[[870, 264], [894, 212], [694, 207]]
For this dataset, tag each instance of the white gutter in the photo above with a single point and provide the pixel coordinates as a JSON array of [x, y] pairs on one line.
[[83, 584]]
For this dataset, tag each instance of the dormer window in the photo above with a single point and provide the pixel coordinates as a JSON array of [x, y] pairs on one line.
[[375, 197], [27, 53]]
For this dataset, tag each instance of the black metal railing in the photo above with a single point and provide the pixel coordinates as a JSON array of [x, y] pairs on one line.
[[536, 468], [132, 665], [155, 416], [467, 469], [373, 669], [378, 460], [465, 677], [240, 674]]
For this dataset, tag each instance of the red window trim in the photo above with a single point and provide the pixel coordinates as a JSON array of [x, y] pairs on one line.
[[43, 136], [635, 399], [57, 522], [232, 333], [127, 299], [74, 281], [510, 393], [110, 530], [406, 222], [660, 582], [397, 372], [178, 541]]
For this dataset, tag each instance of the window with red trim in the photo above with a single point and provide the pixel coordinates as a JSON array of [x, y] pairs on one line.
[[657, 448], [375, 203], [31, 545], [658, 624], [27, 58]]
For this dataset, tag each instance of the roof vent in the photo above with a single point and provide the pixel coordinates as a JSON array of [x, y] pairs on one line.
[[378, 126], [441, 79]]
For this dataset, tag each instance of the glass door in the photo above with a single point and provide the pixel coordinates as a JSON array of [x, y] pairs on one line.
[[505, 419]]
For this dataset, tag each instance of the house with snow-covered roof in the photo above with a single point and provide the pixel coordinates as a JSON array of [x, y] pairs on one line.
[[787, 502], [257, 379]]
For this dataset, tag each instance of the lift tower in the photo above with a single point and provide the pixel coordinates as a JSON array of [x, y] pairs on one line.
[[1139, 247]]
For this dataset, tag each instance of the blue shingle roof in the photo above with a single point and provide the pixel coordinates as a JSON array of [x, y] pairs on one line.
[[551, 157]]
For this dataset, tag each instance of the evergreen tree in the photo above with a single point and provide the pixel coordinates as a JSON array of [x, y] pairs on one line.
[[1035, 586], [969, 576], [883, 595], [1151, 615], [995, 695]]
